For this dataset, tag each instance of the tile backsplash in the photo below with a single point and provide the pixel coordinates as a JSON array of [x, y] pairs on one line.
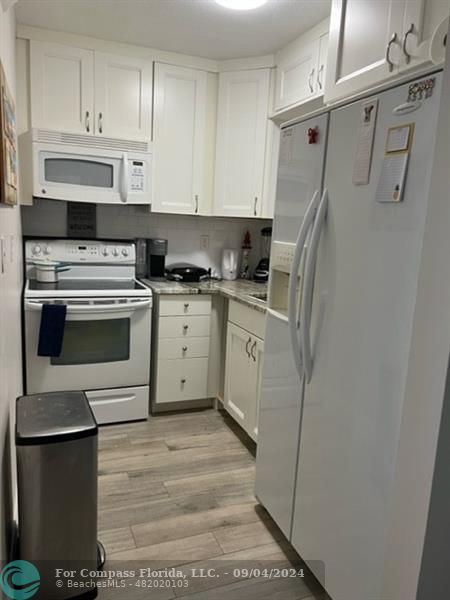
[[186, 235]]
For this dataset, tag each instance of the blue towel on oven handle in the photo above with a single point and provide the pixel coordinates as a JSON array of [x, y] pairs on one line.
[[51, 331]]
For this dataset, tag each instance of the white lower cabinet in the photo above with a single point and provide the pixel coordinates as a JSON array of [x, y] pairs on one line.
[[181, 347], [243, 370]]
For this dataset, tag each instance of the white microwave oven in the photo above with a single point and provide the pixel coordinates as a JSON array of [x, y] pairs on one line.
[[85, 168]]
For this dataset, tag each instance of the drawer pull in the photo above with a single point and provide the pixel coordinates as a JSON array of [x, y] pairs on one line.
[[185, 327], [185, 348], [183, 381], [186, 305]]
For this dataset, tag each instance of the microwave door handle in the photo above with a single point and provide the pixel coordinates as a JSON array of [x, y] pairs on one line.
[[124, 178]]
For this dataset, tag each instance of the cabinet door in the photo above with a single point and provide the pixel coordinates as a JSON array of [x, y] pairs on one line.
[[359, 45], [256, 360], [297, 78], [420, 22], [241, 142], [178, 134], [239, 375], [62, 87], [123, 96]]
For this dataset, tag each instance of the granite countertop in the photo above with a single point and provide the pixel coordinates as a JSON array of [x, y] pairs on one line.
[[239, 290]]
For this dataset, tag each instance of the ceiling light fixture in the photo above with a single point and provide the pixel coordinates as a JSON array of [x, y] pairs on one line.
[[241, 4]]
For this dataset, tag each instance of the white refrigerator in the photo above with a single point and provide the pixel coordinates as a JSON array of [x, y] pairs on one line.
[[349, 225]]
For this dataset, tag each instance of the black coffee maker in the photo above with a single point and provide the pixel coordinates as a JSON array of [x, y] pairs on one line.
[[156, 258], [261, 273]]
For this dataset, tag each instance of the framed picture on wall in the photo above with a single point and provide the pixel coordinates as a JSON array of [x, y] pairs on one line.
[[8, 144]]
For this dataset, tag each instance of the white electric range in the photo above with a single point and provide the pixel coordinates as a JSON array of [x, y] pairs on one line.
[[107, 333]]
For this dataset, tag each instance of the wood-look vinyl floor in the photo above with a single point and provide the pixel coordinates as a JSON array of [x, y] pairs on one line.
[[177, 491]]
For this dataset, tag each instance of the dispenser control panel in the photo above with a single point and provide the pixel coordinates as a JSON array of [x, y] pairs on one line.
[[282, 256]]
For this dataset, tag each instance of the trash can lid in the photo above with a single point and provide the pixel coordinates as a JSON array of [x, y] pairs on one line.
[[53, 417]]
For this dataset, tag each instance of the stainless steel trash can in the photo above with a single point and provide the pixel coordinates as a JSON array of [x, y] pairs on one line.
[[56, 440]]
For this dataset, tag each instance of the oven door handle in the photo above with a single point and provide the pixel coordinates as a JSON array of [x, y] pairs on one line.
[[94, 308]]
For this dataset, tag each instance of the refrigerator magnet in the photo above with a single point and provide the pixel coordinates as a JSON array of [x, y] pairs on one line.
[[399, 139], [392, 178]]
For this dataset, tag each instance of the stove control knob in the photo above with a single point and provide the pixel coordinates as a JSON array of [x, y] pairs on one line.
[[125, 251], [37, 249], [105, 252], [47, 250], [115, 252]]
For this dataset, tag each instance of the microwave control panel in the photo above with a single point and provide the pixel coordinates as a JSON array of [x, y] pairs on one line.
[[137, 176]]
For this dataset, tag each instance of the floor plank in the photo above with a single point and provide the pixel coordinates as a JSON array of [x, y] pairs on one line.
[[178, 491]]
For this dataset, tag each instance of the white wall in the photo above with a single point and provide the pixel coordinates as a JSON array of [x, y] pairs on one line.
[[10, 292], [184, 233]]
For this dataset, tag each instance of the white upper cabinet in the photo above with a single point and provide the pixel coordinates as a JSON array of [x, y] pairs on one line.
[[371, 42], [297, 78], [62, 87], [82, 91], [179, 131], [241, 142], [362, 44], [301, 68], [420, 21], [123, 96]]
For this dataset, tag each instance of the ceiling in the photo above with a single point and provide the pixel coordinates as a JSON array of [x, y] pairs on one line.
[[197, 27]]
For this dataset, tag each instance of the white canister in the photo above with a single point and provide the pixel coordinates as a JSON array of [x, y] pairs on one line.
[[230, 264]]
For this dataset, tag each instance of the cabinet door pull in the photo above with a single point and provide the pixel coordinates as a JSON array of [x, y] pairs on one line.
[[251, 351], [86, 122], [388, 51], [319, 76], [311, 77], [100, 122], [247, 345], [255, 206], [405, 43], [196, 203]]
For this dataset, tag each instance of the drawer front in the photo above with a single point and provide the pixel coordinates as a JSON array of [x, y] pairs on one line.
[[247, 318], [184, 305], [183, 348], [184, 327], [180, 380], [122, 404]]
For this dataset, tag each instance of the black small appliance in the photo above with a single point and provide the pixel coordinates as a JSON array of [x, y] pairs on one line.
[[156, 258], [261, 274], [187, 273]]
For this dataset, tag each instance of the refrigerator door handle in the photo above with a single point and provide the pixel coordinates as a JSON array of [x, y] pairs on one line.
[[293, 318], [310, 268]]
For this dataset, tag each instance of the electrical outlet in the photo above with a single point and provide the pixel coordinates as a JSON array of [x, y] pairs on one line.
[[204, 242]]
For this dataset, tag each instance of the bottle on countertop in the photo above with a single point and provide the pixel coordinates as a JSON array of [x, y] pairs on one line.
[[246, 249]]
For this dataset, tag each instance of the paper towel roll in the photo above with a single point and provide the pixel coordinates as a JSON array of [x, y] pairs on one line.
[[438, 43]]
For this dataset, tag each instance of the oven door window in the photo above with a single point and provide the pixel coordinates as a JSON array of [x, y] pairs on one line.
[[75, 171], [91, 342]]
